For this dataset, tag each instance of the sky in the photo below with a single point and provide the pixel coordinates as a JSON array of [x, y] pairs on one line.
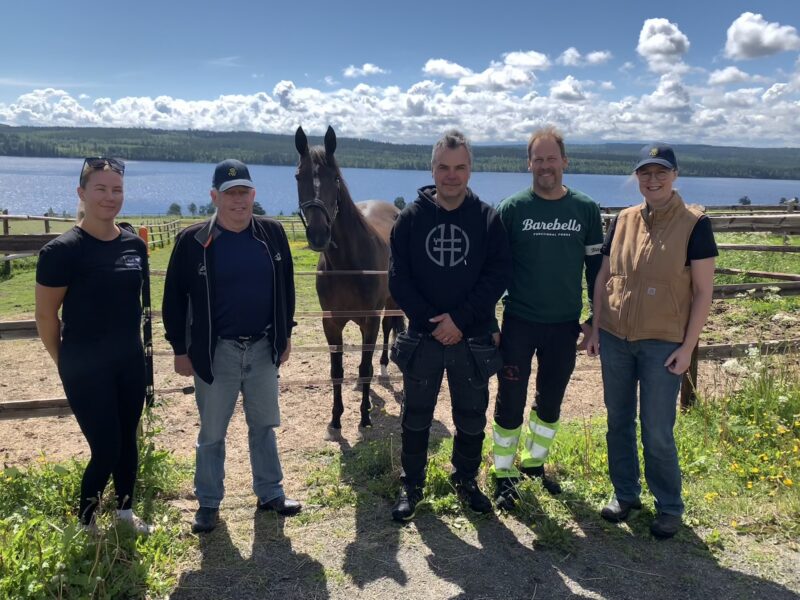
[[722, 73]]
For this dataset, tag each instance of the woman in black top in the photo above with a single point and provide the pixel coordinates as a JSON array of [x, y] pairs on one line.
[[94, 273]]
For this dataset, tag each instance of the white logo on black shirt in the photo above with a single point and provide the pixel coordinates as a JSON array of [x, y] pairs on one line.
[[132, 261], [447, 245]]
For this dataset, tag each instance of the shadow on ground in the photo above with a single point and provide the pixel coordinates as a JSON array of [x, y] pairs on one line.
[[273, 570]]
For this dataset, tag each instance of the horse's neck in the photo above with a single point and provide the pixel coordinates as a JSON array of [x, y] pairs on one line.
[[352, 235]]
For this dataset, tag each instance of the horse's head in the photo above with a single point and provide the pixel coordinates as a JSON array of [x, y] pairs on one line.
[[318, 184]]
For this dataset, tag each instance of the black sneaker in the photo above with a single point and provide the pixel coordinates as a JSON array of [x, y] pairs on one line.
[[551, 485], [617, 510], [469, 492], [664, 526], [406, 504], [205, 519], [506, 493]]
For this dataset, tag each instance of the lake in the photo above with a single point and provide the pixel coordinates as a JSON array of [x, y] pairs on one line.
[[34, 185]]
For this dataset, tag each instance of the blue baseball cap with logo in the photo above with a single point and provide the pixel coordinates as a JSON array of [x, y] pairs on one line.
[[657, 154], [230, 173]]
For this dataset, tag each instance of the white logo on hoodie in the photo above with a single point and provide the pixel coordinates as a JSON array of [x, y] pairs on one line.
[[447, 245]]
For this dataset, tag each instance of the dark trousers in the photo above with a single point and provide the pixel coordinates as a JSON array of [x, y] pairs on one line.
[[469, 398], [553, 344], [105, 385]]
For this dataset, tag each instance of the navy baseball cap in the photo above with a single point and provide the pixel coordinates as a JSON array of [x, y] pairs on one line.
[[230, 173], [657, 154]]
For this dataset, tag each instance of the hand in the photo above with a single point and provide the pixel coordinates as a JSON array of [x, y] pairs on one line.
[[496, 338], [446, 332], [287, 352], [679, 361], [183, 365], [592, 343], [586, 331]]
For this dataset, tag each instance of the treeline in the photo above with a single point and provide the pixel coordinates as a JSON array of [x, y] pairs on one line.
[[272, 149]]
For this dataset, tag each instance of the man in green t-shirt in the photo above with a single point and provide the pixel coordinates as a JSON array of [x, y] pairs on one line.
[[554, 231]]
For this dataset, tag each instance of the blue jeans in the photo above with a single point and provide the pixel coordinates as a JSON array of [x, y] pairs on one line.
[[245, 367], [624, 365]]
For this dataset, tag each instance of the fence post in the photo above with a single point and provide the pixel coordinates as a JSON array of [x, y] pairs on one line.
[[46, 224], [5, 270], [689, 383]]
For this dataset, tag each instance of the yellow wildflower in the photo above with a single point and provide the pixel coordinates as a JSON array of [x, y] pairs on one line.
[[788, 482]]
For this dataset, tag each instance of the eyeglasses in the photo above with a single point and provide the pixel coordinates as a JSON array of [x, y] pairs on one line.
[[98, 163], [657, 175]]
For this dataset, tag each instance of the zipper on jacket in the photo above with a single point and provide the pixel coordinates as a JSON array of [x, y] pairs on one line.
[[208, 303], [274, 296]]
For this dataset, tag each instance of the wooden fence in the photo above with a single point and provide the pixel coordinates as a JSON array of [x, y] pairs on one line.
[[787, 284]]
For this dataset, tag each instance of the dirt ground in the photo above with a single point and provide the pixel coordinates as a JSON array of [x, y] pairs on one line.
[[358, 552]]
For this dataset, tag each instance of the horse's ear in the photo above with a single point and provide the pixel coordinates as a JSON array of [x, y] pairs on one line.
[[301, 141], [330, 141]]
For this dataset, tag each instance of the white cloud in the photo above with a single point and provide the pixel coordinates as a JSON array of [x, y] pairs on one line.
[[598, 57], [330, 81], [439, 67], [778, 90], [365, 70], [751, 36], [531, 60], [503, 103], [670, 96], [571, 57], [498, 77], [662, 44], [727, 75], [568, 89]]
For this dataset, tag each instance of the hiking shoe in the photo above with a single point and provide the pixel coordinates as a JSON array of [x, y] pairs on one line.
[[205, 519], [617, 510], [551, 485], [506, 493], [469, 492], [406, 504], [282, 505], [664, 526], [138, 525]]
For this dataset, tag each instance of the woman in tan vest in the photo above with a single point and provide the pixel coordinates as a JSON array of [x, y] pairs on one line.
[[651, 300]]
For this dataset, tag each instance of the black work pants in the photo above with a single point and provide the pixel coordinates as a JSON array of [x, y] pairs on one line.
[[469, 398], [553, 344], [105, 386]]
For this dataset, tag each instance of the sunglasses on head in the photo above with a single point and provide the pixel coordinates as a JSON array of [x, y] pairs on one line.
[[98, 163]]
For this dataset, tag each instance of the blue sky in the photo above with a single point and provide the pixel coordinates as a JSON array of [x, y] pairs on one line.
[[723, 73]]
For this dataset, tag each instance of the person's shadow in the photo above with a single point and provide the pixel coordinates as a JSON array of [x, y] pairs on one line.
[[274, 569], [371, 467]]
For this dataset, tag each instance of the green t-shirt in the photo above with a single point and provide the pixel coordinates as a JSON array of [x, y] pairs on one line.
[[549, 242]]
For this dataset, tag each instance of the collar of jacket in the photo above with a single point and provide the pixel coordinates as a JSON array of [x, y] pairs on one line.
[[208, 232], [650, 215]]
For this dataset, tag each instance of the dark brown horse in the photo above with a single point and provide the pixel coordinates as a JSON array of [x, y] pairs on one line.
[[349, 237]]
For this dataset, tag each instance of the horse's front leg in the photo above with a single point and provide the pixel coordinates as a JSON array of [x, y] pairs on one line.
[[369, 335], [333, 334]]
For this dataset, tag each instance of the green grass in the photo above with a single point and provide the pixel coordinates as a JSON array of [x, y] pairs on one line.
[[45, 554], [740, 457]]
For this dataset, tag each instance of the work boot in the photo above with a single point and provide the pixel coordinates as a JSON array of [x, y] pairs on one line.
[[506, 493], [406, 504], [469, 492], [617, 510], [551, 485], [282, 505], [664, 526], [205, 519]]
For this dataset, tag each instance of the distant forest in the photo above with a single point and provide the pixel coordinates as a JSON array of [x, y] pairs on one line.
[[271, 149]]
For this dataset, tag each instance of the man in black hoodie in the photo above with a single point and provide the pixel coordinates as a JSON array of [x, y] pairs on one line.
[[450, 264]]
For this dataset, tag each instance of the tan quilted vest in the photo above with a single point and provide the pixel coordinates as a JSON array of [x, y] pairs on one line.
[[649, 293]]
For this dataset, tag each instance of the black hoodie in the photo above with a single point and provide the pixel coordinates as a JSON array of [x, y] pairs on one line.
[[449, 261]]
